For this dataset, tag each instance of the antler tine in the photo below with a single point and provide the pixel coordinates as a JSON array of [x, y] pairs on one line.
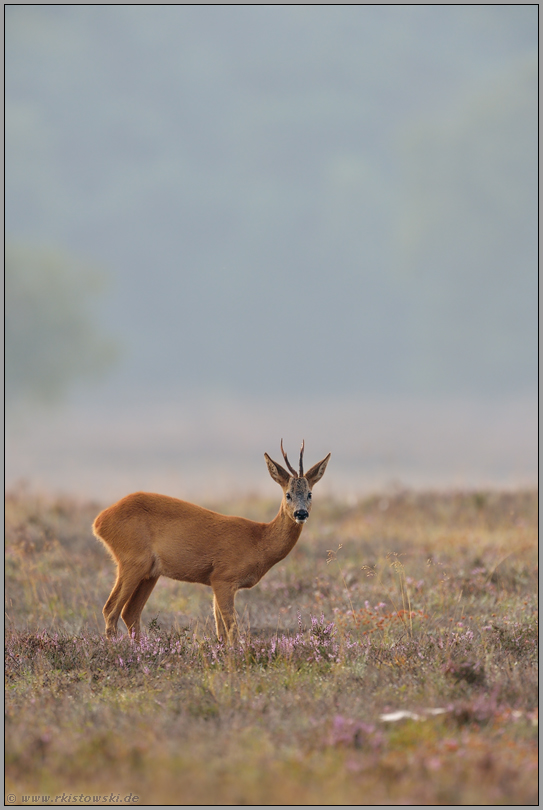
[[302, 459], [287, 462]]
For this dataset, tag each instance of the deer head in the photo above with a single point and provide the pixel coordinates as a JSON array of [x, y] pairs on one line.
[[296, 486]]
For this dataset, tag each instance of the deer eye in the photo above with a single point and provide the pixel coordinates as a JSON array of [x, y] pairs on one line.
[[309, 495], [288, 496]]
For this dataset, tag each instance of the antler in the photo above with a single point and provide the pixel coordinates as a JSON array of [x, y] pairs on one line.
[[302, 459], [287, 462]]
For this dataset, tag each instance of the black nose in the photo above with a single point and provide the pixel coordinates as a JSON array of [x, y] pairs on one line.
[[301, 514]]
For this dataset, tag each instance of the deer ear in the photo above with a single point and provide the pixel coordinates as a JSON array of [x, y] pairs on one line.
[[315, 473], [278, 473]]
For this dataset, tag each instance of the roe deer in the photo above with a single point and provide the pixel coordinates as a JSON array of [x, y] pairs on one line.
[[152, 535]]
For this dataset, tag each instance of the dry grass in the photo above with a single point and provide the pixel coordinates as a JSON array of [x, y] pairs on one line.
[[408, 602]]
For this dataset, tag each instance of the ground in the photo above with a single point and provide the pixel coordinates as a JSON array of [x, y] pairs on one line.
[[391, 658]]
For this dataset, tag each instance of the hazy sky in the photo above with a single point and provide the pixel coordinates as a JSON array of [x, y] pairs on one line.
[[290, 196], [316, 204]]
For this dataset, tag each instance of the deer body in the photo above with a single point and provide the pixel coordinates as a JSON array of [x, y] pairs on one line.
[[152, 535]]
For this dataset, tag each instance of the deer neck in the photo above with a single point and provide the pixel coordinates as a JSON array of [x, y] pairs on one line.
[[280, 537]]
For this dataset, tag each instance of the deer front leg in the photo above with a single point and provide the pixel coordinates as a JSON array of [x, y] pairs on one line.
[[223, 609], [219, 624]]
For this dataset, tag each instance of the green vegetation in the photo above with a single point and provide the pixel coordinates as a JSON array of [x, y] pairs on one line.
[[406, 603]]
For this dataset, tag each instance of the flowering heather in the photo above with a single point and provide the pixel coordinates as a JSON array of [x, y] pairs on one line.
[[26, 652], [400, 668]]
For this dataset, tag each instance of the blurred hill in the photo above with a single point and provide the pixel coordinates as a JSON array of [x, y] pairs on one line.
[[291, 200]]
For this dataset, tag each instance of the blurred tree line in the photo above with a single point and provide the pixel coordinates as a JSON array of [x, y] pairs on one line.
[[468, 239], [50, 328], [290, 197]]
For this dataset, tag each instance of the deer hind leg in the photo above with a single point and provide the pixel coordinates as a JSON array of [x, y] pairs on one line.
[[111, 626], [223, 609], [127, 581], [131, 612]]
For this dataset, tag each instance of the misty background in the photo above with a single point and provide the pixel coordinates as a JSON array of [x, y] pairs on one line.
[[227, 225]]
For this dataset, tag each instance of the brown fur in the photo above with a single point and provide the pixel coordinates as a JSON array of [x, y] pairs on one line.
[[152, 535]]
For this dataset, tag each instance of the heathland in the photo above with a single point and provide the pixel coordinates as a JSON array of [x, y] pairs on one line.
[[391, 658]]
